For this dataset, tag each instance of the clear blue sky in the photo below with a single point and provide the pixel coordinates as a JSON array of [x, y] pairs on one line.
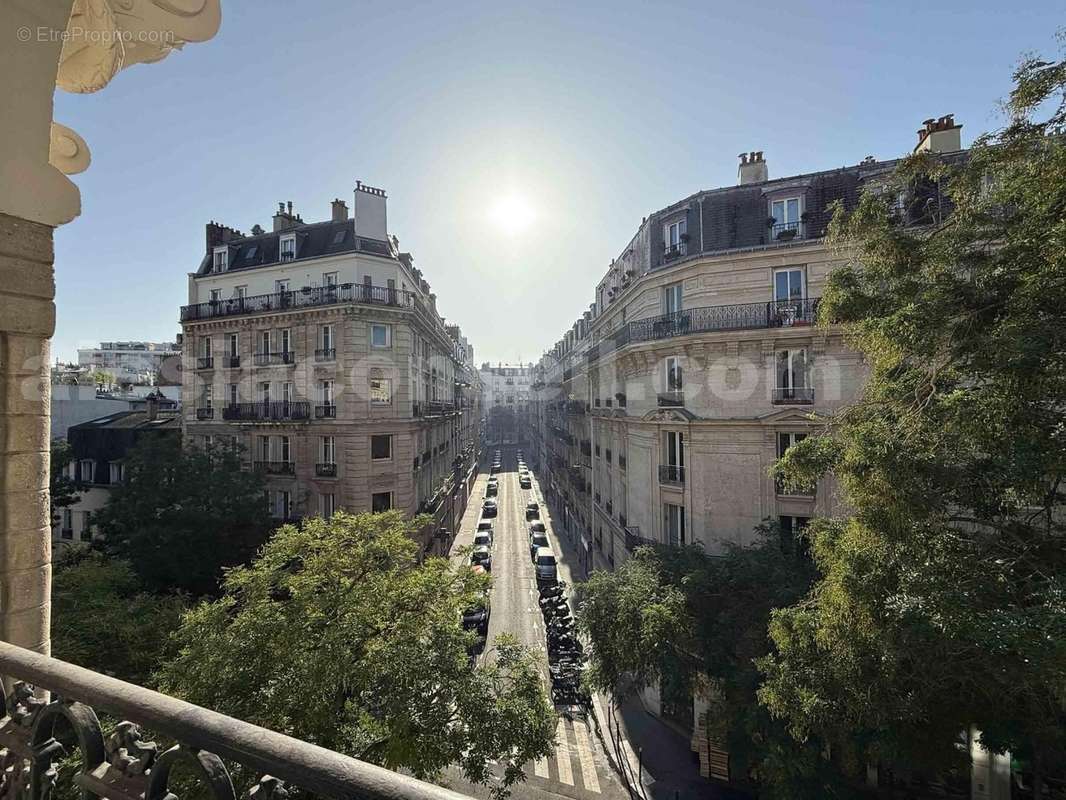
[[586, 115]]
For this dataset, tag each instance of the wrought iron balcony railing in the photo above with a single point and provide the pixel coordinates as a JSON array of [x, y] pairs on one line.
[[326, 354], [807, 492], [302, 298], [672, 399], [326, 469], [205, 412], [326, 411], [793, 395], [266, 359], [231, 362], [128, 764], [635, 540], [205, 363], [672, 473], [268, 411], [783, 231], [276, 467], [432, 408]]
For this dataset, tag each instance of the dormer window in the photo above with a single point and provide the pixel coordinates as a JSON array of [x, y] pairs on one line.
[[786, 215], [221, 260], [287, 248], [675, 235]]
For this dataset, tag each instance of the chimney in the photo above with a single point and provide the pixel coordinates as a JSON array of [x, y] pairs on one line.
[[151, 406], [283, 218], [369, 212], [339, 210], [939, 136], [217, 234], [752, 168]]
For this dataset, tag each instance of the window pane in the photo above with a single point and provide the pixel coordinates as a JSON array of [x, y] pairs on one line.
[[793, 211], [778, 211], [380, 447], [781, 286]]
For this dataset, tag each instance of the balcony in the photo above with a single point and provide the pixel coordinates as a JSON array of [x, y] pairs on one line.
[[303, 298], [673, 474], [635, 540], [206, 744], [672, 399], [793, 396], [674, 252], [276, 467], [326, 469], [205, 363], [432, 408], [802, 492], [743, 316], [786, 231], [205, 412], [326, 411], [267, 411], [268, 359], [231, 362], [326, 354]]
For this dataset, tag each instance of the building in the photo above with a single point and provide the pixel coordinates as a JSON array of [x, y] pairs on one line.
[[319, 349], [98, 448], [128, 362], [505, 397]]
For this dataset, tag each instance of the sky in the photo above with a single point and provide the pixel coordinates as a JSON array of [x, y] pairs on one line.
[[520, 143]]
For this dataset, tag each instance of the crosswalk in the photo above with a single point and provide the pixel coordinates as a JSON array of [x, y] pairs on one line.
[[572, 744]]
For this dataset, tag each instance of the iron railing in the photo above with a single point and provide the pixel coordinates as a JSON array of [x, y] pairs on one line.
[[205, 412], [128, 764], [807, 492], [672, 473], [432, 408], [205, 363], [326, 411], [793, 395], [265, 359], [635, 540], [326, 469], [673, 399], [267, 411], [301, 298], [326, 354], [784, 231], [276, 467], [231, 362]]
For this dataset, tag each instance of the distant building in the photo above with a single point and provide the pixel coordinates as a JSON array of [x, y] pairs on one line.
[[73, 403], [505, 399], [128, 362], [99, 448]]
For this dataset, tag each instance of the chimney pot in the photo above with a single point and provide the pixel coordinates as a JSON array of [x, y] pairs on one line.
[[290, 208], [752, 168]]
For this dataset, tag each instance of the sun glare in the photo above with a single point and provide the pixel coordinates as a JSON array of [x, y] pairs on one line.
[[512, 214]]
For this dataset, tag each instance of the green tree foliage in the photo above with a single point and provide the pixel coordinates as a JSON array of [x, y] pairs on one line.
[[63, 490], [182, 515], [943, 597], [338, 636], [682, 616], [104, 621]]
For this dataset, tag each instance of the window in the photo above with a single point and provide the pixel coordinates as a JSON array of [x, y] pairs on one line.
[[329, 450], [327, 504], [786, 214], [791, 369], [674, 448], [791, 529], [86, 524], [789, 284], [264, 342], [264, 392], [380, 501], [325, 392], [216, 295], [674, 524], [86, 467], [674, 236], [287, 248], [263, 447], [286, 340], [380, 388], [281, 504], [330, 278], [283, 449], [380, 335], [232, 394], [381, 447], [281, 286], [786, 440], [672, 298], [234, 345], [240, 292], [327, 337], [286, 392], [674, 377], [205, 396], [67, 531], [367, 281], [205, 347], [116, 471], [250, 254], [221, 259]]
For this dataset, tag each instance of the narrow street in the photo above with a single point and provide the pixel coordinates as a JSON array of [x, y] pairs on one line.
[[578, 768]]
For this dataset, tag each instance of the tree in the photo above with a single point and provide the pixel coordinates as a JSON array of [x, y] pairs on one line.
[[941, 602], [63, 491], [699, 621], [183, 515], [338, 636], [104, 621]]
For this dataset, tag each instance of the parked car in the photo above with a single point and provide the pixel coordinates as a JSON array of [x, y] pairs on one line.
[[536, 527], [489, 508], [484, 525], [483, 538], [492, 490], [533, 510], [537, 541], [476, 618], [525, 483], [546, 566], [494, 469], [482, 557]]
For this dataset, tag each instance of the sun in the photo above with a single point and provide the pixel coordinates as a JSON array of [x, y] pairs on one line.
[[512, 214]]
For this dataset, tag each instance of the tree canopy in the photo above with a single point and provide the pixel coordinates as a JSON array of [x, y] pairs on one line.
[[337, 635], [942, 601], [182, 515]]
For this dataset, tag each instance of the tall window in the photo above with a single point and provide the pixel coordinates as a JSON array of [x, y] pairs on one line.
[[287, 392], [325, 392], [673, 374], [240, 292], [674, 448], [281, 286], [786, 440], [264, 392], [287, 250], [674, 524], [233, 394], [234, 345], [327, 505], [791, 371], [674, 235], [284, 451], [381, 447], [264, 342], [380, 501], [380, 388], [216, 295], [205, 347], [786, 214], [286, 340], [205, 396], [221, 259], [329, 279], [264, 448], [672, 298], [329, 450], [380, 335], [327, 337], [789, 284]]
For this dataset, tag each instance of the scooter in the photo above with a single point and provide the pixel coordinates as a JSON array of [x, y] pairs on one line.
[[553, 590], [548, 602]]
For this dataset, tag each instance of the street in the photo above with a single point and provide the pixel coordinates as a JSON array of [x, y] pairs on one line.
[[579, 768]]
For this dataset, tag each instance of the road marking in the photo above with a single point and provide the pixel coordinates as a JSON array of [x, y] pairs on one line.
[[562, 755], [584, 755]]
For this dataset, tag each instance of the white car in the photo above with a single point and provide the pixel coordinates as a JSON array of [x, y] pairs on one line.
[[483, 539]]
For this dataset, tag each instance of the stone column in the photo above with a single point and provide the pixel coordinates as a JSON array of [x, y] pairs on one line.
[[27, 321]]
